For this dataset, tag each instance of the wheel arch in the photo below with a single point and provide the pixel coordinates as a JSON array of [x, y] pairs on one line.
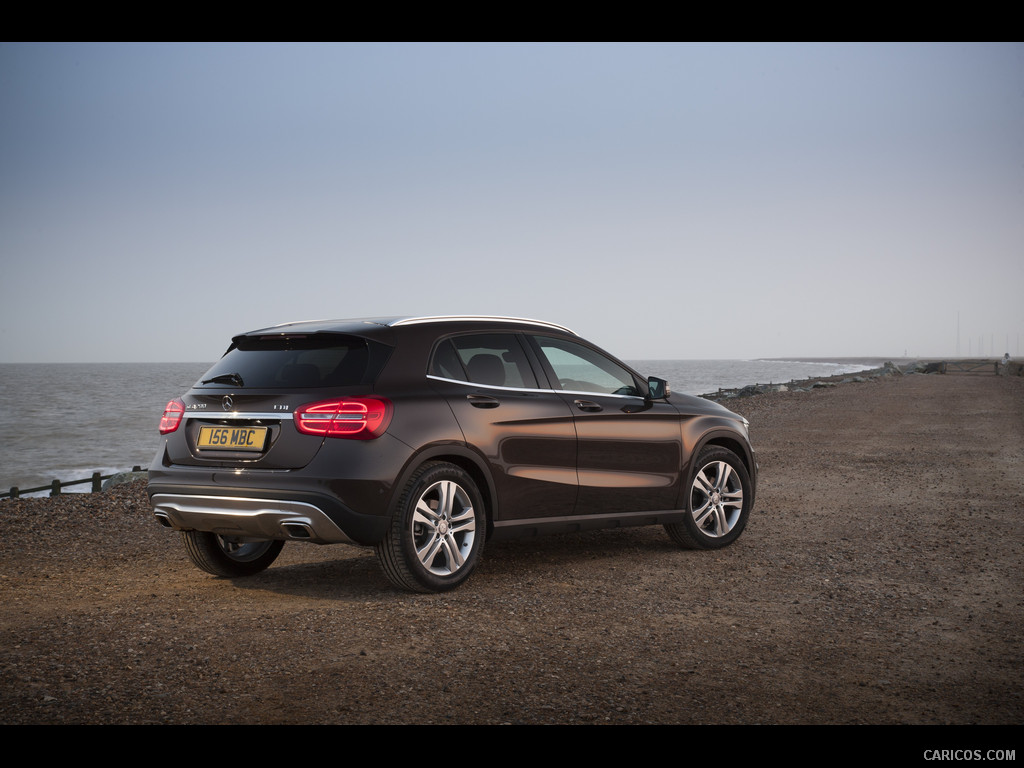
[[465, 459], [731, 442], [723, 437]]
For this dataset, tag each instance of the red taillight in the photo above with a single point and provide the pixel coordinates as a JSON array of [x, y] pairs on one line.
[[171, 419], [359, 418]]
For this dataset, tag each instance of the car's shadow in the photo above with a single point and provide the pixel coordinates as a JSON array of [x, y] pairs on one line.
[[345, 573]]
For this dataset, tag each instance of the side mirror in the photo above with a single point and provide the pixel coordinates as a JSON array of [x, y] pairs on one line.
[[657, 389]]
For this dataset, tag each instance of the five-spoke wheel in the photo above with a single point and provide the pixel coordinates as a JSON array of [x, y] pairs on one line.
[[718, 501], [437, 531], [444, 528]]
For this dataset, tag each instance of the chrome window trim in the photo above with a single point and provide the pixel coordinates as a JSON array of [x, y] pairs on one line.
[[535, 391], [596, 394]]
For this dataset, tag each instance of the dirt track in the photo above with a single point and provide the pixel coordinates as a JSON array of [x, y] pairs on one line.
[[881, 580]]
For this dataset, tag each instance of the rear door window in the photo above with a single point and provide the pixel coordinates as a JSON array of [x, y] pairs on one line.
[[491, 359]]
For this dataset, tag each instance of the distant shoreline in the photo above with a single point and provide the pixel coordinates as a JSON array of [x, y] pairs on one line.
[[883, 360], [872, 361]]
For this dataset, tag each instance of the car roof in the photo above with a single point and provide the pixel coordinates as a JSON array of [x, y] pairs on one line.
[[361, 326]]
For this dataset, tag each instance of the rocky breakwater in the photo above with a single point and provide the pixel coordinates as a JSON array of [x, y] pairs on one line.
[[805, 385]]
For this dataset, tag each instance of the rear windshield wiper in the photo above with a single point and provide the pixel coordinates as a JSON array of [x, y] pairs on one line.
[[226, 378]]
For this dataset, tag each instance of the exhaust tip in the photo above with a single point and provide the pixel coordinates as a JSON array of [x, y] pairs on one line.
[[297, 531]]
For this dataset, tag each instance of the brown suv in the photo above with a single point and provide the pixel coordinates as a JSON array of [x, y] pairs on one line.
[[426, 437]]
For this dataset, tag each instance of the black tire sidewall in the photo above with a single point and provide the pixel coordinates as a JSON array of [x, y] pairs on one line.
[[206, 553], [418, 485]]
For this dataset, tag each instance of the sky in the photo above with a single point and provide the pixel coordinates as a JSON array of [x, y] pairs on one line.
[[665, 201]]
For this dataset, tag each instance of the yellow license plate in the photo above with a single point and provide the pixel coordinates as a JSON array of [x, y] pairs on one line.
[[232, 438]]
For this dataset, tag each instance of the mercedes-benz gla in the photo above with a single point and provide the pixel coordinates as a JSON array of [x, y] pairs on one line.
[[424, 438]]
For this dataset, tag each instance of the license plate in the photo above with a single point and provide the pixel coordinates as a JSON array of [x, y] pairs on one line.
[[232, 438]]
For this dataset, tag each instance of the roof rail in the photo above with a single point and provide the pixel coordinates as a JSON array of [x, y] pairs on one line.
[[482, 318]]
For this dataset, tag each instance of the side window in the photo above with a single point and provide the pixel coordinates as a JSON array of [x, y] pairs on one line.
[[446, 363], [494, 359], [581, 369]]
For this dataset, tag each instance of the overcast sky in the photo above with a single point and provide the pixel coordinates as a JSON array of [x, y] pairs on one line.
[[665, 201]]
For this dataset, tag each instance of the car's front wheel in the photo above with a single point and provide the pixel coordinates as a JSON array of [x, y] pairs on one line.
[[437, 530], [717, 502], [228, 555]]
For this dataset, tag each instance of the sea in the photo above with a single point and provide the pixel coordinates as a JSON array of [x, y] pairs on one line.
[[66, 421]]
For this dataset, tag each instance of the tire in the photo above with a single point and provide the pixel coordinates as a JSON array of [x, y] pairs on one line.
[[717, 502], [437, 531], [229, 556]]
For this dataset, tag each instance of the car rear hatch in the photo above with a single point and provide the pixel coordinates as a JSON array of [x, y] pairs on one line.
[[241, 413]]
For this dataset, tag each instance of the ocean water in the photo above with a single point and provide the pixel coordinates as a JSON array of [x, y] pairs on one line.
[[68, 420]]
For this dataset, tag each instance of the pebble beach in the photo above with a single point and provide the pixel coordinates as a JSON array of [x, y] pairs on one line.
[[880, 581]]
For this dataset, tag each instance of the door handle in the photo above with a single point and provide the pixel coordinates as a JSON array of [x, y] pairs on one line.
[[482, 401], [587, 405]]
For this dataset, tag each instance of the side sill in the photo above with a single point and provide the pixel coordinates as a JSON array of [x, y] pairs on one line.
[[539, 526]]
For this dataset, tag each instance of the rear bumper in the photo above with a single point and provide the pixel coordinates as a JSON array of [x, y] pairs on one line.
[[248, 517], [293, 514], [342, 496]]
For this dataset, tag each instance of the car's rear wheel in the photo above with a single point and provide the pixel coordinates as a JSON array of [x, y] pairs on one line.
[[437, 530], [717, 503], [228, 555]]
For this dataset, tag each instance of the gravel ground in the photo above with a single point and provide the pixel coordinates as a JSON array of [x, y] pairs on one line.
[[879, 581]]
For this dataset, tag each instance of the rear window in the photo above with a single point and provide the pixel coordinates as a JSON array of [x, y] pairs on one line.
[[296, 362]]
